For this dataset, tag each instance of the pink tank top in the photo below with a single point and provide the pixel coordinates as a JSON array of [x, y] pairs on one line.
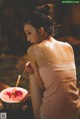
[[61, 96]]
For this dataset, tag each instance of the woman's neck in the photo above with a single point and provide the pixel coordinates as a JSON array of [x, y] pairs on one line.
[[43, 37]]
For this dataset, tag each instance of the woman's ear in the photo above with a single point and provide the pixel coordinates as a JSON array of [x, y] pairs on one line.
[[41, 31]]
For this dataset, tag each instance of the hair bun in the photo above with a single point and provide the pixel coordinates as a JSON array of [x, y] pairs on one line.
[[45, 10]]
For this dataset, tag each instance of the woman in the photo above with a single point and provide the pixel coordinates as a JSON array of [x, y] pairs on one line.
[[52, 71]]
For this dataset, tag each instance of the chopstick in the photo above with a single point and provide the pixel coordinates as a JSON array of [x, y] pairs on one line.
[[17, 83], [18, 80]]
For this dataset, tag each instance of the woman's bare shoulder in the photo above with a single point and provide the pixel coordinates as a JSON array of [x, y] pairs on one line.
[[34, 51], [31, 50], [67, 47], [65, 44]]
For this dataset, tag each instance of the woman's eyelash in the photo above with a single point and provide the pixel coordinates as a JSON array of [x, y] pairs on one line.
[[29, 33]]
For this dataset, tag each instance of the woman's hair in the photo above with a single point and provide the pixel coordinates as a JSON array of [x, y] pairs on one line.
[[45, 9], [39, 20]]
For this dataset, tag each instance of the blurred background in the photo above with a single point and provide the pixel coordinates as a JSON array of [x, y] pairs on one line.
[[13, 43]]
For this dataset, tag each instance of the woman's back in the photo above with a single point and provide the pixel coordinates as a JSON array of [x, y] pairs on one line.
[[53, 52]]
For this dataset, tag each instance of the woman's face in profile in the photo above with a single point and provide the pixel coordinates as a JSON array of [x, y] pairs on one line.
[[31, 33]]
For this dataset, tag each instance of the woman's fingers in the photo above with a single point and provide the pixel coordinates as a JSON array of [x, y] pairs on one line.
[[28, 68]]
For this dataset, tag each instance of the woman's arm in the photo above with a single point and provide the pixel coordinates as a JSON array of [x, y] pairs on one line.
[[36, 85], [35, 91], [32, 58], [36, 96]]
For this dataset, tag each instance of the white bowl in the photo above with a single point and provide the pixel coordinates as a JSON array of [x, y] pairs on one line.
[[7, 95], [11, 101]]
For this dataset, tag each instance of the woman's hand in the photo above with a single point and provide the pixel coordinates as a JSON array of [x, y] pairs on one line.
[[28, 68]]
